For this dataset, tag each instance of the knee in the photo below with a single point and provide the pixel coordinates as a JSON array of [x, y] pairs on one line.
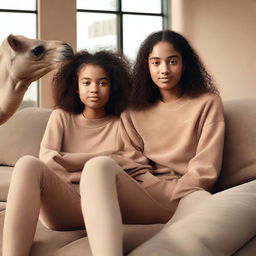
[[27, 165], [27, 159], [99, 162], [99, 168]]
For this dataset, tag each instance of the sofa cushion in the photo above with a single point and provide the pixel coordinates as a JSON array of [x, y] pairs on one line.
[[49, 242], [204, 221], [5, 174], [21, 135], [239, 158], [66, 243], [248, 249]]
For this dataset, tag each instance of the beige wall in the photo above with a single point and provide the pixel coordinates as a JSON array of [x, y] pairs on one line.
[[224, 34], [57, 21]]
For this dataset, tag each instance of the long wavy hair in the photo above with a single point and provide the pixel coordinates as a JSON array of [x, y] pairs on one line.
[[65, 82], [194, 81]]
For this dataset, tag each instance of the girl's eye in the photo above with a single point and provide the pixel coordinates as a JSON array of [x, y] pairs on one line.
[[86, 83], [172, 61], [102, 83], [155, 63]]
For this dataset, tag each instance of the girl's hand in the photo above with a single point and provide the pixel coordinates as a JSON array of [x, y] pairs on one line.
[[68, 177], [74, 177]]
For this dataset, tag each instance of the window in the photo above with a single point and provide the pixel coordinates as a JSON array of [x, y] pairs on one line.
[[20, 17], [118, 24]]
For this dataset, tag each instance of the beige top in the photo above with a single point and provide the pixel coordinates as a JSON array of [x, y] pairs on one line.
[[183, 140], [70, 140]]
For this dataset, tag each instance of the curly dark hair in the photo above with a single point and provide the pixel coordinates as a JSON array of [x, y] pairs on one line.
[[194, 81], [65, 82]]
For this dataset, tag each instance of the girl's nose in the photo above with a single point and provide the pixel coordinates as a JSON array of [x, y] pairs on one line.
[[164, 68], [93, 88]]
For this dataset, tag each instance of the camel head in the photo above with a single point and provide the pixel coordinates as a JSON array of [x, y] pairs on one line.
[[27, 60], [22, 61]]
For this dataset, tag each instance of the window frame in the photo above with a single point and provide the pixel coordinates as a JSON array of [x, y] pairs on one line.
[[119, 13]]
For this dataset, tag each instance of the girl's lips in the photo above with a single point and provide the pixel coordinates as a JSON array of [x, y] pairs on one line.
[[165, 79], [94, 98]]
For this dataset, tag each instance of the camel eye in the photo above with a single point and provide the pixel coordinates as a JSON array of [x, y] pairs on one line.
[[38, 51]]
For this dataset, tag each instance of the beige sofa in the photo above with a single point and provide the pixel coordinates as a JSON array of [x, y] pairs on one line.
[[21, 135]]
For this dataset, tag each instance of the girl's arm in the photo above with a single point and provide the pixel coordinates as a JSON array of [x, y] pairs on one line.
[[129, 133], [204, 167], [135, 163], [50, 148]]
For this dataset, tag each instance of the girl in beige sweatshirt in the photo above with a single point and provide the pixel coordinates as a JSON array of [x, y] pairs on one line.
[[178, 123], [176, 120]]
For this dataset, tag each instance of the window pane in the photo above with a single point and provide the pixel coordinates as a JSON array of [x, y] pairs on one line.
[[147, 6], [17, 23], [136, 29], [96, 31], [107, 5], [30, 97], [18, 4]]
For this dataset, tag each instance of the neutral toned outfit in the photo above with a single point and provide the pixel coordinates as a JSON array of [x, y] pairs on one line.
[[70, 140], [183, 141]]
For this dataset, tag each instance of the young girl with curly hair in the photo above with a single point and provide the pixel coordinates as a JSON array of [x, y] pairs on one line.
[[178, 122], [66, 191]]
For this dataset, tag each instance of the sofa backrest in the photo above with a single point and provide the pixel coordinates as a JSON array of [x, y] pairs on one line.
[[239, 157], [22, 134]]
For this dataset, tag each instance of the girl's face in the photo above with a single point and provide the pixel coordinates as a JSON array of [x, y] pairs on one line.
[[165, 67], [94, 90]]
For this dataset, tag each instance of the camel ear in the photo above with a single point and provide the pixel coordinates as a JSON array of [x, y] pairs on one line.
[[14, 43]]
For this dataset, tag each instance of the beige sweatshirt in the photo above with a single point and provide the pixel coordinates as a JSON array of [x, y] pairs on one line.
[[183, 140], [70, 140]]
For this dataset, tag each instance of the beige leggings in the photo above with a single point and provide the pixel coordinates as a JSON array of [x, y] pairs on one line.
[[108, 196]]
